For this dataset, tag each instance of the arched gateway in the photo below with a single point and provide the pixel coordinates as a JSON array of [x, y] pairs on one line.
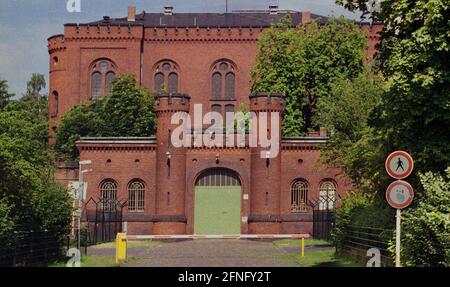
[[217, 202]]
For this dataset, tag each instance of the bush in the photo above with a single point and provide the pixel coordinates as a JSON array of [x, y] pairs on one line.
[[426, 228], [363, 210]]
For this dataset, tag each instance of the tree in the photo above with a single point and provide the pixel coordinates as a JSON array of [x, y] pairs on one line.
[[346, 116], [303, 62], [5, 96], [415, 109], [128, 111], [83, 120], [35, 86], [30, 199], [414, 115], [426, 228]]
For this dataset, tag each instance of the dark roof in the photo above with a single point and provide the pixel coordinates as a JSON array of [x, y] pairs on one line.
[[224, 20]]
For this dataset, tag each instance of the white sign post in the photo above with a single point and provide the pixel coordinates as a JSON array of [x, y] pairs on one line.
[[399, 194]]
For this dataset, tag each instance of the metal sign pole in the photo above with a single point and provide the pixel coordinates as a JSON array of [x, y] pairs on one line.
[[397, 238]]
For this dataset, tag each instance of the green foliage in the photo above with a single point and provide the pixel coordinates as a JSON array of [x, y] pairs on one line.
[[5, 95], [30, 200], [303, 62], [415, 110], [361, 209], [127, 112], [414, 115], [354, 146], [242, 122], [426, 228], [35, 86], [82, 120]]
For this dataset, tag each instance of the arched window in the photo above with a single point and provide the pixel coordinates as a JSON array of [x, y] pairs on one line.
[[166, 77], [159, 82], [96, 86], [327, 193], [173, 83], [55, 103], [223, 81], [216, 86], [229, 85], [109, 80], [299, 195], [136, 194], [108, 194], [103, 73]]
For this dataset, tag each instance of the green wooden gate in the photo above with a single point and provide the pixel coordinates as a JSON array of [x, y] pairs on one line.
[[217, 203]]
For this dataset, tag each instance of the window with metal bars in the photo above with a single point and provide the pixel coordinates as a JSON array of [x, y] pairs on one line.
[[108, 194], [136, 195], [299, 196], [218, 177], [327, 193]]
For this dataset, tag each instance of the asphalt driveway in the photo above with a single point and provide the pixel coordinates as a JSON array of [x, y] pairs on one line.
[[215, 253]]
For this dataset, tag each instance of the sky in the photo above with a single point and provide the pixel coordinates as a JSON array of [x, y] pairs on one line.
[[25, 25]]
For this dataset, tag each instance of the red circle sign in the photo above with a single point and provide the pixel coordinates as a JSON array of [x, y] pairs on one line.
[[399, 164], [399, 194]]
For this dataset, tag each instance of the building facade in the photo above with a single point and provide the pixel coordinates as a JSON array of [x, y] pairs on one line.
[[198, 58]]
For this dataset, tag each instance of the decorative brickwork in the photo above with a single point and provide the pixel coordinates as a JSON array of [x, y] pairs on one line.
[[194, 46]]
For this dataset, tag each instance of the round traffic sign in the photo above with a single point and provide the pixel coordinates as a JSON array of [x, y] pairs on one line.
[[399, 164], [399, 194]]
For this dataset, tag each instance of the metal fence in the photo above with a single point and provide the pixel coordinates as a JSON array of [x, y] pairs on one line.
[[30, 248], [324, 216], [359, 239], [102, 219]]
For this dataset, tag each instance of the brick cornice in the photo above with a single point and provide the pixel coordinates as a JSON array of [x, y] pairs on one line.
[[116, 147]]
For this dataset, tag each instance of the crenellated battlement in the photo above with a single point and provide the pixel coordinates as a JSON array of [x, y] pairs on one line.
[[199, 34], [264, 102], [56, 43], [74, 32], [172, 103]]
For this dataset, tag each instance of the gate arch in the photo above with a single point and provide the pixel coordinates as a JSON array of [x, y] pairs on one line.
[[217, 202], [218, 177]]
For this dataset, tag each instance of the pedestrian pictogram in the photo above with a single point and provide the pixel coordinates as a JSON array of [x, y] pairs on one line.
[[399, 194], [399, 164]]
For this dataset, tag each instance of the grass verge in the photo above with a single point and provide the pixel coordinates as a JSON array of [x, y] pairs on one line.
[[316, 258]]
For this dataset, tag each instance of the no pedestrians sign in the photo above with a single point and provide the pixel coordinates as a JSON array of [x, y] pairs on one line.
[[399, 164]]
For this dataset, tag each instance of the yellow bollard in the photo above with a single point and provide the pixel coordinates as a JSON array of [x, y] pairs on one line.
[[121, 247], [303, 247]]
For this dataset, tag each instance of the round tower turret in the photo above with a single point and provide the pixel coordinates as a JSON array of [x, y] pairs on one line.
[[266, 163], [170, 167]]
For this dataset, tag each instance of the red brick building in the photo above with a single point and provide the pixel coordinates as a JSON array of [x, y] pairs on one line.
[[172, 190]]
